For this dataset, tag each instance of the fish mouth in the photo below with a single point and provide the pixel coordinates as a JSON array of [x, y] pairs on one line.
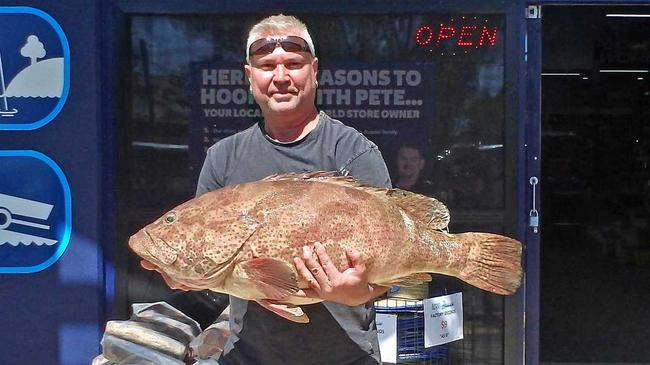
[[150, 261], [148, 235], [139, 243], [148, 265], [152, 241], [142, 242]]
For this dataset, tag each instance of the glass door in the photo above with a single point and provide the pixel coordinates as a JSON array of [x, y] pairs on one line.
[[594, 131], [435, 88]]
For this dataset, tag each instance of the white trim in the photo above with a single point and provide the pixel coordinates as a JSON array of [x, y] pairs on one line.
[[561, 74], [624, 71], [160, 145], [628, 15]]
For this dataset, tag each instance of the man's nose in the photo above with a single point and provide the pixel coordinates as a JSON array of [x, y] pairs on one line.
[[281, 73]]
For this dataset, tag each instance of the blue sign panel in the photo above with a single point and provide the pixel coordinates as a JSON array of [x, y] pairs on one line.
[[34, 68], [35, 212]]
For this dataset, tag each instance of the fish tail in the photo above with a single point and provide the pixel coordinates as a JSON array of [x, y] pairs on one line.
[[493, 263]]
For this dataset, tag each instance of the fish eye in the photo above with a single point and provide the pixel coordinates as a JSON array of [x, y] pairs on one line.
[[170, 218]]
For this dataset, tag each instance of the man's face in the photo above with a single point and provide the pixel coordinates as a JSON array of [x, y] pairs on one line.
[[409, 162], [283, 82]]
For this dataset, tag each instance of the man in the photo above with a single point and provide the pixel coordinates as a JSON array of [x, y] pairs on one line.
[[294, 137]]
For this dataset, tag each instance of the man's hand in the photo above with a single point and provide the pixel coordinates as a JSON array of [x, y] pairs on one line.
[[349, 287]]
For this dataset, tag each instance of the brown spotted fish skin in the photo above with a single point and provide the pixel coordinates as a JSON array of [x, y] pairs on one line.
[[232, 239]]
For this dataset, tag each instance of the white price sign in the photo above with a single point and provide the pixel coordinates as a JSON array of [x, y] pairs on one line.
[[387, 333], [443, 319]]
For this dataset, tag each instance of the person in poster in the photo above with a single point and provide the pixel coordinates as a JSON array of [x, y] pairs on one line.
[[410, 163]]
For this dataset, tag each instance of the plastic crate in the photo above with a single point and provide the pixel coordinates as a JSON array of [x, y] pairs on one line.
[[410, 331]]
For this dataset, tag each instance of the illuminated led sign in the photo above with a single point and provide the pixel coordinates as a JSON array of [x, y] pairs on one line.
[[458, 34]]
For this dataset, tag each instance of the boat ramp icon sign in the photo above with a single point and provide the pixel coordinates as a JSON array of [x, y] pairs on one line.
[[35, 212], [34, 68]]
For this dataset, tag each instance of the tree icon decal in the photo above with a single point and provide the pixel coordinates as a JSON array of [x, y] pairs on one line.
[[33, 49]]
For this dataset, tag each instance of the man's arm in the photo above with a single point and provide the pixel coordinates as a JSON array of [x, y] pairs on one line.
[[369, 168]]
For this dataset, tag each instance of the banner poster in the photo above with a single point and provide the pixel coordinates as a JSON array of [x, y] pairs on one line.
[[391, 104]]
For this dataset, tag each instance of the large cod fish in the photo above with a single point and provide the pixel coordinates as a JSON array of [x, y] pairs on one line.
[[241, 240]]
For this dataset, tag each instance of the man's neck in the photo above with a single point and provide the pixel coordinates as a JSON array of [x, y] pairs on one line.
[[287, 130]]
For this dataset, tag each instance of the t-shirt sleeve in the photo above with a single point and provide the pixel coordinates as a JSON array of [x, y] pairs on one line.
[[211, 175], [369, 167]]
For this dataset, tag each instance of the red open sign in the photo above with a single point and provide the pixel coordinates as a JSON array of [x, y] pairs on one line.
[[464, 35]]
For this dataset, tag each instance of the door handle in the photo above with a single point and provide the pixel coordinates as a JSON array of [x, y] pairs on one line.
[[533, 215]]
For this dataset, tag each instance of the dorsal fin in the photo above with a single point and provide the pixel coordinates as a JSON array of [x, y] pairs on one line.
[[423, 208], [329, 177], [303, 176]]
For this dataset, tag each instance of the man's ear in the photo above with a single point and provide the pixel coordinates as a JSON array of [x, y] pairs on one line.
[[314, 65], [247, 71]]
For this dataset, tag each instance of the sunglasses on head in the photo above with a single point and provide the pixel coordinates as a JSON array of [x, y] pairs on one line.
[[267, 45]]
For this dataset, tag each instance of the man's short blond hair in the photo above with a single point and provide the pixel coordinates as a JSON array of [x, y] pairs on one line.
[[278, 25]]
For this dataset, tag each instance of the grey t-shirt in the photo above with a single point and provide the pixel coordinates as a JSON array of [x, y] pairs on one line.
[[336, 334]]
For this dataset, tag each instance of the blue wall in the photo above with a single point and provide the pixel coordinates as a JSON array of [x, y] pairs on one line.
[[56, 316]]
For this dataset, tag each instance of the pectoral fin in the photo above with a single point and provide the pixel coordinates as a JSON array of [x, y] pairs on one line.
[[287, 311], [275, 279], [409, 280]]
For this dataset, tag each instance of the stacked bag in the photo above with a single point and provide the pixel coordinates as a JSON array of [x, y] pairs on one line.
[[160, 334]]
